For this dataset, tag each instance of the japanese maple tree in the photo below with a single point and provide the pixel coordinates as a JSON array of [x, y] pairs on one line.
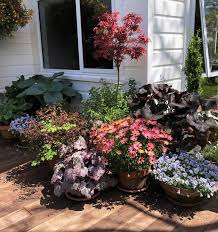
[[116, 39]]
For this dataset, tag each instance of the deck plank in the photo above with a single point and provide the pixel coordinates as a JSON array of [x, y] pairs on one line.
[[13, 218]]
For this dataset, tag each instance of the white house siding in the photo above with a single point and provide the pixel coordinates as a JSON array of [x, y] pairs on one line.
[[16, 56], [164, 22], [172, 27]]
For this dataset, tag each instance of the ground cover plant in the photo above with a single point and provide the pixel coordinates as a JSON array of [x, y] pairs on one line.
[[53, 128], [81, 171], [13, 15], [186, 171], [130, 144], [181, 113]]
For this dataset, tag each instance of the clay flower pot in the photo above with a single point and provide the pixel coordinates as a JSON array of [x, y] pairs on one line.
[[5, 133], [181, 197], [133, 182], [81, 199]]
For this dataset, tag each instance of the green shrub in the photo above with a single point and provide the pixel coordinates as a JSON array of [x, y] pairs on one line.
[[194, 63], [105, 104], [210, 152]]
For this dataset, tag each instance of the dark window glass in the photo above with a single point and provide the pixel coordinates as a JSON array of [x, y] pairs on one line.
[[59, 34], [90, 10]]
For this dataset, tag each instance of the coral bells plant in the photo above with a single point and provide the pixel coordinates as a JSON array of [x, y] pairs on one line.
[[53, 128], [130, 145], [186, 171], [116, 40], [13, 14], [81, 172]]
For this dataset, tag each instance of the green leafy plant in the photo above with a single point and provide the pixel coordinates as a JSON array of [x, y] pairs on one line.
[[10, 109], [41, 91], [54, 127], [105, 104], [193, 68], [13, 14], [210, 152]]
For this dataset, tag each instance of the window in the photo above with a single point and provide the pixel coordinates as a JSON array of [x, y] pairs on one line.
[[209, 23], [67, 33]]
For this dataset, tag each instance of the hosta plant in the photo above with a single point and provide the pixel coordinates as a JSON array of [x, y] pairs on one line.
[[20, 124], [13, 15], [180, 112], [130, 144], [81, 171], [186, 171], [53, 128], [40, 91]]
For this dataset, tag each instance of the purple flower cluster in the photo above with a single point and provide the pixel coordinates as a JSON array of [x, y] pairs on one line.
[[18, 126], [81, 173], [187, 171]]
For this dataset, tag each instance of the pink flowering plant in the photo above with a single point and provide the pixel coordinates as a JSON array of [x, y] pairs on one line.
[[116, 39], [130, 144]]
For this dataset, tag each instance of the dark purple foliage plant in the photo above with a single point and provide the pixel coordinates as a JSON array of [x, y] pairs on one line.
[[82, 172], [181, 112]]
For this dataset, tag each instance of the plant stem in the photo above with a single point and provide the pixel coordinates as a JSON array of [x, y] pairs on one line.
[[118, 80]]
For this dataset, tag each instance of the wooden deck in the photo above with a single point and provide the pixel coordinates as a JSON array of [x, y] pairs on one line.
[[27, 204]]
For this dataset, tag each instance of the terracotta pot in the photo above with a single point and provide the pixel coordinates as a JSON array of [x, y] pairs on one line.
[[80, 199], [5, 133], [133, 182], [181, 197]]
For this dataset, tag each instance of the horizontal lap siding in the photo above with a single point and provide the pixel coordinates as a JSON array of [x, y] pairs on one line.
[[17, 56], [168, 42]]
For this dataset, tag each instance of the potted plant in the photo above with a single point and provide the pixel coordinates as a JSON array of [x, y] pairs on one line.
[[53, 128], [186, 178], [81, 172], [9, 110], [181, 112], [131, 147], [20, 124]]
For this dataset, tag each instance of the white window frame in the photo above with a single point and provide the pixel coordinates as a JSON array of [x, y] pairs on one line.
[[83, 74], [205, 39]]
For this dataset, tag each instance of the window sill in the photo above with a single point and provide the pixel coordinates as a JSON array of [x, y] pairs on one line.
[[87, 75]]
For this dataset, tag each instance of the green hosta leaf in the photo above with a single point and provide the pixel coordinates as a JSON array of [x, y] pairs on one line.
[[22, 84], [70, 92], [37, 89], [53, 98], [58, 74], [56, 87]]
